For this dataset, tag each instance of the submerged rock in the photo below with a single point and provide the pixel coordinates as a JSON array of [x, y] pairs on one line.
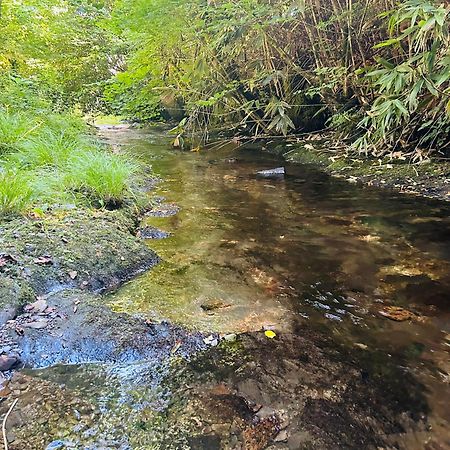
[[152, 233], [277, 172]]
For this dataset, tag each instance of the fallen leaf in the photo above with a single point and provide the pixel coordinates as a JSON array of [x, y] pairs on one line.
[[270, 334], [73, 274], [5, 259], [396, 313], [44, 260], [175, 347]]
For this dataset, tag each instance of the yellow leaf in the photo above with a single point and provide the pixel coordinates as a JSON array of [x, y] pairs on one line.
[[270, 334]]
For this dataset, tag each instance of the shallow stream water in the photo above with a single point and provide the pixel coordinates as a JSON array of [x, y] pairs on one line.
[[303, 249], [245, 253]]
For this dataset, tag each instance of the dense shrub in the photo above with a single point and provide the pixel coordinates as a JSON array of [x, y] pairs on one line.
[[379, 71]]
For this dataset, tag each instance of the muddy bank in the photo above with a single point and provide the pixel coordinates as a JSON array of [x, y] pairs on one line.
[[430, 179]]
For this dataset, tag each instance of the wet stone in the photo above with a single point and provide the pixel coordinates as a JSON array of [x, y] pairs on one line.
[[55, 445], [163, 210], [152, 233], [270, 173], [7, 362]]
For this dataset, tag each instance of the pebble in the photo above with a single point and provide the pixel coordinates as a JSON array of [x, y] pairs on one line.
[[7, 362], [265, 412], [55, 445], [211, 340], [230, 337], [282, 436]]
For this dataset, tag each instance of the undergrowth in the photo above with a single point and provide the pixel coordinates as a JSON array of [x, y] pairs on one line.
[[50, 160]]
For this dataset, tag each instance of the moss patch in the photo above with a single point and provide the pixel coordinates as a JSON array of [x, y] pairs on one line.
[[90, 250], [428, 179]]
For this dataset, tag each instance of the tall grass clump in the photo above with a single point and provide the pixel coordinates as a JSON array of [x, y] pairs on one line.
[[15, 127], [103, 178], [48, 148], [15, 192]]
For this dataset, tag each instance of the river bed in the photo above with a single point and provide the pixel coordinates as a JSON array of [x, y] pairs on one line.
[[314, 259]]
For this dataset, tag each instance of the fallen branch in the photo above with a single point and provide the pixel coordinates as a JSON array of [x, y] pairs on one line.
[[5, 439]]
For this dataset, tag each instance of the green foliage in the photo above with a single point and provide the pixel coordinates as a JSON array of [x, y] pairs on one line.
[[412, 104], [285, 66], [377, 72], [63, 45], [102, 177], [15, 192]]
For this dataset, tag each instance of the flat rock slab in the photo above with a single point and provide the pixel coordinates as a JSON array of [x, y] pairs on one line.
[[152, 233], [163, 210], [83, 330]]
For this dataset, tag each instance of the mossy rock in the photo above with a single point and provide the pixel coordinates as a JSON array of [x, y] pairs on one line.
[[13, 295], [90, 249]]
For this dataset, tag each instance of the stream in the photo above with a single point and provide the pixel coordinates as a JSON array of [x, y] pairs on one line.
[[320, 262]]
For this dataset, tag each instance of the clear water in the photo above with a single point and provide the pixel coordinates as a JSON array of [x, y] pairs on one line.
[[304, 249], [247, 253]]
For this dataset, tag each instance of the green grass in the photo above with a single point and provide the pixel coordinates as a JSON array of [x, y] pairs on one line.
[[48, 148], [15, 192], [14, 129], [49, 160], [103, 178]]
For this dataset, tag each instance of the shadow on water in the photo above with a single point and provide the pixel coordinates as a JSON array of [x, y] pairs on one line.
[[314, 259]]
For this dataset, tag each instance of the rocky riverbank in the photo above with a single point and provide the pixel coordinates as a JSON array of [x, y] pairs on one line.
[[87, 377], [52, 273], [429, 178]]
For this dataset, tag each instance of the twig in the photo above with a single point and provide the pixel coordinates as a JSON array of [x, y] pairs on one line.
[[5, 439]]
